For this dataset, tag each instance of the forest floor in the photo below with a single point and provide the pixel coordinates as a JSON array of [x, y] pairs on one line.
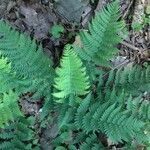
[[54, 23]]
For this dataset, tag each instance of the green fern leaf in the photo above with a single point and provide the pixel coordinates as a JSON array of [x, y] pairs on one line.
[[91, 143], [72, 77], [8, 79], [99, 43], [133, 79], [27, 60], [18, 136], [9, 108]]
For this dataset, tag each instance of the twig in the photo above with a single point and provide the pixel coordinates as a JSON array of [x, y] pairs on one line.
[[117, 67], [131, 46], [127, 11]]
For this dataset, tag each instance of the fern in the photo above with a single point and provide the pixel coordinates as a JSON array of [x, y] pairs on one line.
[[119, 117], [98, 44], [72, 79], [116, 107], [91, 143], [27, 60], [25, 69], [9, 80], [139, 108], [112, 110], [117, 123], [9, 108], [65, 117], [127, 116], [82, 109], [134, 80], [18, 136], [6, 76]]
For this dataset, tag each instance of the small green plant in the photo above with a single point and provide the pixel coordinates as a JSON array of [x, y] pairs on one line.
[[57, 30], [138, 26]]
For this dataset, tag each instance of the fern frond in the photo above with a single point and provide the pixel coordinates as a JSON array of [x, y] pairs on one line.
[[117, 124], [6, 76], [134, 80], [139, 108], [17, 136], [81, 111], [91, 143], [99, 43], [65, 117], [121, 119], [9, 108], [72, 78], [27, 59], [8, 79]]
